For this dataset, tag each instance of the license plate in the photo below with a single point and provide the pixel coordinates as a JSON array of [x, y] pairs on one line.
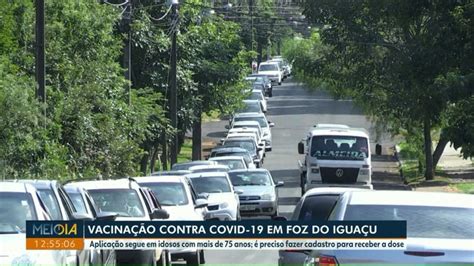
[[247, 207]]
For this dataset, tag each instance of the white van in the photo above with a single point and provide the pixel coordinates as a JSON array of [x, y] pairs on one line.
[[335, 155]]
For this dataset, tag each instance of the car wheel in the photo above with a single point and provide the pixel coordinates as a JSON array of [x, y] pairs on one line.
[[194, 260], [202, 260], [164, 259], [279, 83]]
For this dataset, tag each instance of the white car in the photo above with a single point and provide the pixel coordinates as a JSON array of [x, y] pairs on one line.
[[265, 125], [272, 70], [245, 124], [251, 131], [259, 142], [175, 196], [252, 106], [129, 201], [209, 168], [258, 95], [222, 201], [440, 228], [20, 202], [233, 162]]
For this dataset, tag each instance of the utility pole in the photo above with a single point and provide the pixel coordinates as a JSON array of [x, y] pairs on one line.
[[127, 49], [40, 57], [251, 20], [173, 86]]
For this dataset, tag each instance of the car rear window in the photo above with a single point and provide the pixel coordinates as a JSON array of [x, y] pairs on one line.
[[422, 221], [317, 207]]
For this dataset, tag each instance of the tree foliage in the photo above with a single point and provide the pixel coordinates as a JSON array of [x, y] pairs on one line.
[[402, 61]]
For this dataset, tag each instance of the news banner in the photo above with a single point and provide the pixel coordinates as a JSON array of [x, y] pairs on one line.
[[255, 234]]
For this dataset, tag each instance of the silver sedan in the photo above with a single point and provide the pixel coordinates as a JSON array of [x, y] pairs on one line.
[[259, 197]]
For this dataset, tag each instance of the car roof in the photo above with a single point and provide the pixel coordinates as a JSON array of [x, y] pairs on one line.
[[237, 139], [411, 198], [246, 122], [249, 115], [192, 162], [207, 174], [39, 183], [108, 184], [217, 166], [268, 63], [172, 173], [325, 131], [331, 126], [16, 187], [223, 149], [251, 101], [161, 179], [73, 187], [263, 170], [222, 158]]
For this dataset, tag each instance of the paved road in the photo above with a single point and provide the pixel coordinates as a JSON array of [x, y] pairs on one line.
[[294, 110]]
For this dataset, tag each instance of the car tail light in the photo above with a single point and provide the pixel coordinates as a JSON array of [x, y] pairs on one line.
[[327, 261]]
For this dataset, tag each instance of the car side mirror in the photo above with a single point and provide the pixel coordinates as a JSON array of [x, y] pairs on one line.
[[266, 98], [238, 192], [279, 184], [160, 214], [227, 126], [300, 148], [203, 196], [106, 216], [222, 140], [280, 218], [271, 124], [259, 148], [200, 203]]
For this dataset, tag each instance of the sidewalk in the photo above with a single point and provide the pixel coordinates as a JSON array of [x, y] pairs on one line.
[[457, 174]]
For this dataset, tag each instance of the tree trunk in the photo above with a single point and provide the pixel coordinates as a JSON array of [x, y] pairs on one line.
[[259, 52], [429, 169], [197, 143], [153, 157], [164, 156], [279, 47], [144, 163], [443, 141]]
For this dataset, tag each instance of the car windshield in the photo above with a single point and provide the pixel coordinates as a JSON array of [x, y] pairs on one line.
[[168, 193], [15, 209], [210, 184], [124, 202], [339, 148], [77, 201], [268, 67], [186, 166], [250, 179], [251, 107], [51, 202], [260, 119], [245, 144], [233, 164], [422, 221], [256, 95]]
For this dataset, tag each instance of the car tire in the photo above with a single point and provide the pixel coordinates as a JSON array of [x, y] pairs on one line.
[[279, 83], [164, 259], [194, 259], [202, 259]]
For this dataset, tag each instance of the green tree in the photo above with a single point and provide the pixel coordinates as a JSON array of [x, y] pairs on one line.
[[389, 57]]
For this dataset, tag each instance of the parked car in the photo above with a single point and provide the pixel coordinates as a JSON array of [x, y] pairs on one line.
[[267, 82], [60, 207], [233, 162], [222, 200], [251, 131], [187, 165], [234, 151], [263, 81], [252, 135], [265, 125], [209, 168], [175, 196], [245, 124], [84, 204], [251, 106], [440, 228], [20, 202], [259, 194], [249, 144], [126, 198], [314, 205], [258, 95], [272, 70]]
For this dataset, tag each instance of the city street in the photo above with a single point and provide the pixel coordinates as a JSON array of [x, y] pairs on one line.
[[294, 110]]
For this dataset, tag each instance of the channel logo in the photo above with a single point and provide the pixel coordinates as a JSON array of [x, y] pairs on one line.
[[54, 235]]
